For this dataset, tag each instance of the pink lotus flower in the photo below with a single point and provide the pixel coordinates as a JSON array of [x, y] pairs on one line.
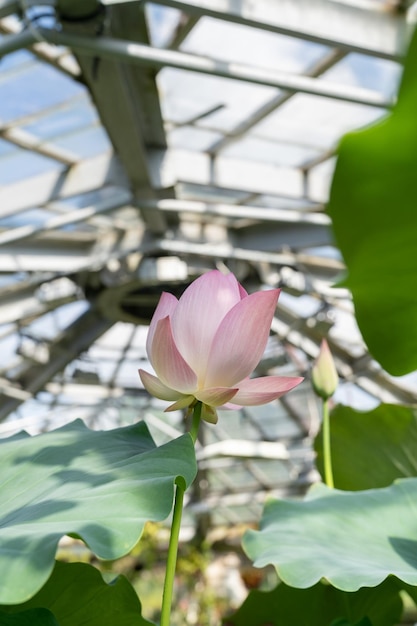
[[204, 346]]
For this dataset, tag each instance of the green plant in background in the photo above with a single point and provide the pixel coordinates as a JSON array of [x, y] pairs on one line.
[[373, 211], [347, 555]]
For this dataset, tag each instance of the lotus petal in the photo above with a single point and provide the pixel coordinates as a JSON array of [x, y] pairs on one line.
[[209, 414], [154, 386], [254, 391], [216, 396], [166, 306], [199, 313], [241, 339], [168, 363], [242, 291], [182, 403]]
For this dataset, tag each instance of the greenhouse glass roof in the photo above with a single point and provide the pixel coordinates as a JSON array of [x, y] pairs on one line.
[[142, 144]]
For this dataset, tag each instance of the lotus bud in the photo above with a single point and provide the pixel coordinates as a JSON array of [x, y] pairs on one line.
[[323, 374]]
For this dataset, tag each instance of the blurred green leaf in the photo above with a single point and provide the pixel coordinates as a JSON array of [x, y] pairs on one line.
[[344, 622], [352, 539], [371, 449], [101, 486], [77, 594], [33, 617], [318, 605], [372, 206]]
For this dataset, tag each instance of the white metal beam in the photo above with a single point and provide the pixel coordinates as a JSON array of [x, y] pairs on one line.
[[86, 176], [20, 304], [135, 53], [270, 229], [12, 43], [295, 236], [260, 214], [80, 99], [226, 250], [30, 260], [172, 166], [58, 57], [70, 217], [378, 32], [82, 391], [67, 260], [28, 141], [240, 448]]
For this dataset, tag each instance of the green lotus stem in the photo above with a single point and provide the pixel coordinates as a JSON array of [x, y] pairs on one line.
[[327, 455], [175, 532], [172, 556]]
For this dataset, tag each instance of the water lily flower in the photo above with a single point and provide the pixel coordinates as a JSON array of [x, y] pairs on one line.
[[324, 374], [204, 346]]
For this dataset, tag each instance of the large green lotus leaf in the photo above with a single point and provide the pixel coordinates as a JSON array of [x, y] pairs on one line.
[[33, 617], [77, 594], [372, 206], [101, 486], [351, 539], [371, 449], [319, 605]]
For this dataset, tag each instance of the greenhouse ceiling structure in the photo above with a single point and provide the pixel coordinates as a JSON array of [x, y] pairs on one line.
[[144, 143]]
